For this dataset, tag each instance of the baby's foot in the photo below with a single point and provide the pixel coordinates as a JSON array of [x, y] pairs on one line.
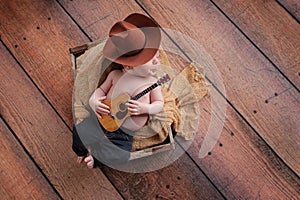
[[89, 161], [80, 159]]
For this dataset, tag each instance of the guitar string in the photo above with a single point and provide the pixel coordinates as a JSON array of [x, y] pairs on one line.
[[165, 78], [144, 92]]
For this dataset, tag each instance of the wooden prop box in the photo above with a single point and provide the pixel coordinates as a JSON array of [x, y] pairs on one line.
[[167, 144]]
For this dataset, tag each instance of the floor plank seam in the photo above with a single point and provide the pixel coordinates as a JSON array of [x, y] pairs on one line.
[[260, 137], [81, 29], [162, 29], [291, 14], [206, 176], [35, 85], [248, 123], [271, 161], [256, 47], [75, 22], [61, 118], [90, 39], [112, 183], [68, 127], [190, 60], [29, 156], [227, 100]]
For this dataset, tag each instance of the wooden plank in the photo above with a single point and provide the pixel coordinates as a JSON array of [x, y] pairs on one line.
[[19, 177], [241, 164], [257, 90], [45, 136], [180, 180], [97, 17], [292, 6], [274, 32], [59, 83], [39, 34]]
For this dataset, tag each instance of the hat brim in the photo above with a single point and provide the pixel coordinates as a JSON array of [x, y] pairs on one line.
[[153, 39]]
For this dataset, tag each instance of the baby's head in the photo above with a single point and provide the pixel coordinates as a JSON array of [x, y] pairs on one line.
[[134, 43]]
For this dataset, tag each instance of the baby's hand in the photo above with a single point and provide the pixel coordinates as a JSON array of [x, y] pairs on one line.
[[137, 108], [100, 107]]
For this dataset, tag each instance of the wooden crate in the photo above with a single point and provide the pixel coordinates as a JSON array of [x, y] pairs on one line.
[[166, 145]]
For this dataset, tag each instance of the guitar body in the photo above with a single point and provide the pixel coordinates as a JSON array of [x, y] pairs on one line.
[[118, 113], [118, 109]]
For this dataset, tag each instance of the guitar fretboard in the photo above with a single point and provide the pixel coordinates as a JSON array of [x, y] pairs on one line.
[[144, 92]]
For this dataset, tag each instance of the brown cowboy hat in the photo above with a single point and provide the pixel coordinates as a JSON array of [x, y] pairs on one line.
[[133, 41]]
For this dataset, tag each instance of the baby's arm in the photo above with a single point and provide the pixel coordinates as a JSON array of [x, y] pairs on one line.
[[155, 106], [99, 96]]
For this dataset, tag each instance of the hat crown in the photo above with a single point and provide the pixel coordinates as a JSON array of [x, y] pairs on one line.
[[133, 41], [127, 38]]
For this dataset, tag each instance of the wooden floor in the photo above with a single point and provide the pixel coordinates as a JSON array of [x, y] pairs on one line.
[[255, 44]]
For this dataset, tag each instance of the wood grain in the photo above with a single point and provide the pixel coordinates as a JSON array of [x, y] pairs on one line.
[[96, 18], [274, 32], [180, 180], [253, 86], [245, 186], [241, 164], [19, 177], [39, 34], [43, 80], [293, 6], [45, 136]]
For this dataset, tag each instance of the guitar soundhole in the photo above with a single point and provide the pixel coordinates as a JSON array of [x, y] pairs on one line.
[[122, 111], [120, 115], [122, 106]]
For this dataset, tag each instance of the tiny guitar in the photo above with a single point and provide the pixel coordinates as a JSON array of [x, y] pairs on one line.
[[118, 109]]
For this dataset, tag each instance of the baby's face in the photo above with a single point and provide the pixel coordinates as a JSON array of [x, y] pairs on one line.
[[148, 69]]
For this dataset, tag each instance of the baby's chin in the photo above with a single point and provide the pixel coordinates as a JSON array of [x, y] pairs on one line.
[[153, 72], [148, 74]]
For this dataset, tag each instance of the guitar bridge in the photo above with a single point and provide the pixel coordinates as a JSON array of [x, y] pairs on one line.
[[111, 115]]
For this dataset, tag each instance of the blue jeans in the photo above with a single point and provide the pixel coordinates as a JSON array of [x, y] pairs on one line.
[[122, 138], [110, 148]]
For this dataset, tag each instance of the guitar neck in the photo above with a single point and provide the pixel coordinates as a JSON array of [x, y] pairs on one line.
[[145, 91]]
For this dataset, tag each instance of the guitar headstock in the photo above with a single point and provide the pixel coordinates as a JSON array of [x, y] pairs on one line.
[[165, 78]]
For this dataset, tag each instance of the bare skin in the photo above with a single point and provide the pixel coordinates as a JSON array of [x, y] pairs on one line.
[[130, 80]]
